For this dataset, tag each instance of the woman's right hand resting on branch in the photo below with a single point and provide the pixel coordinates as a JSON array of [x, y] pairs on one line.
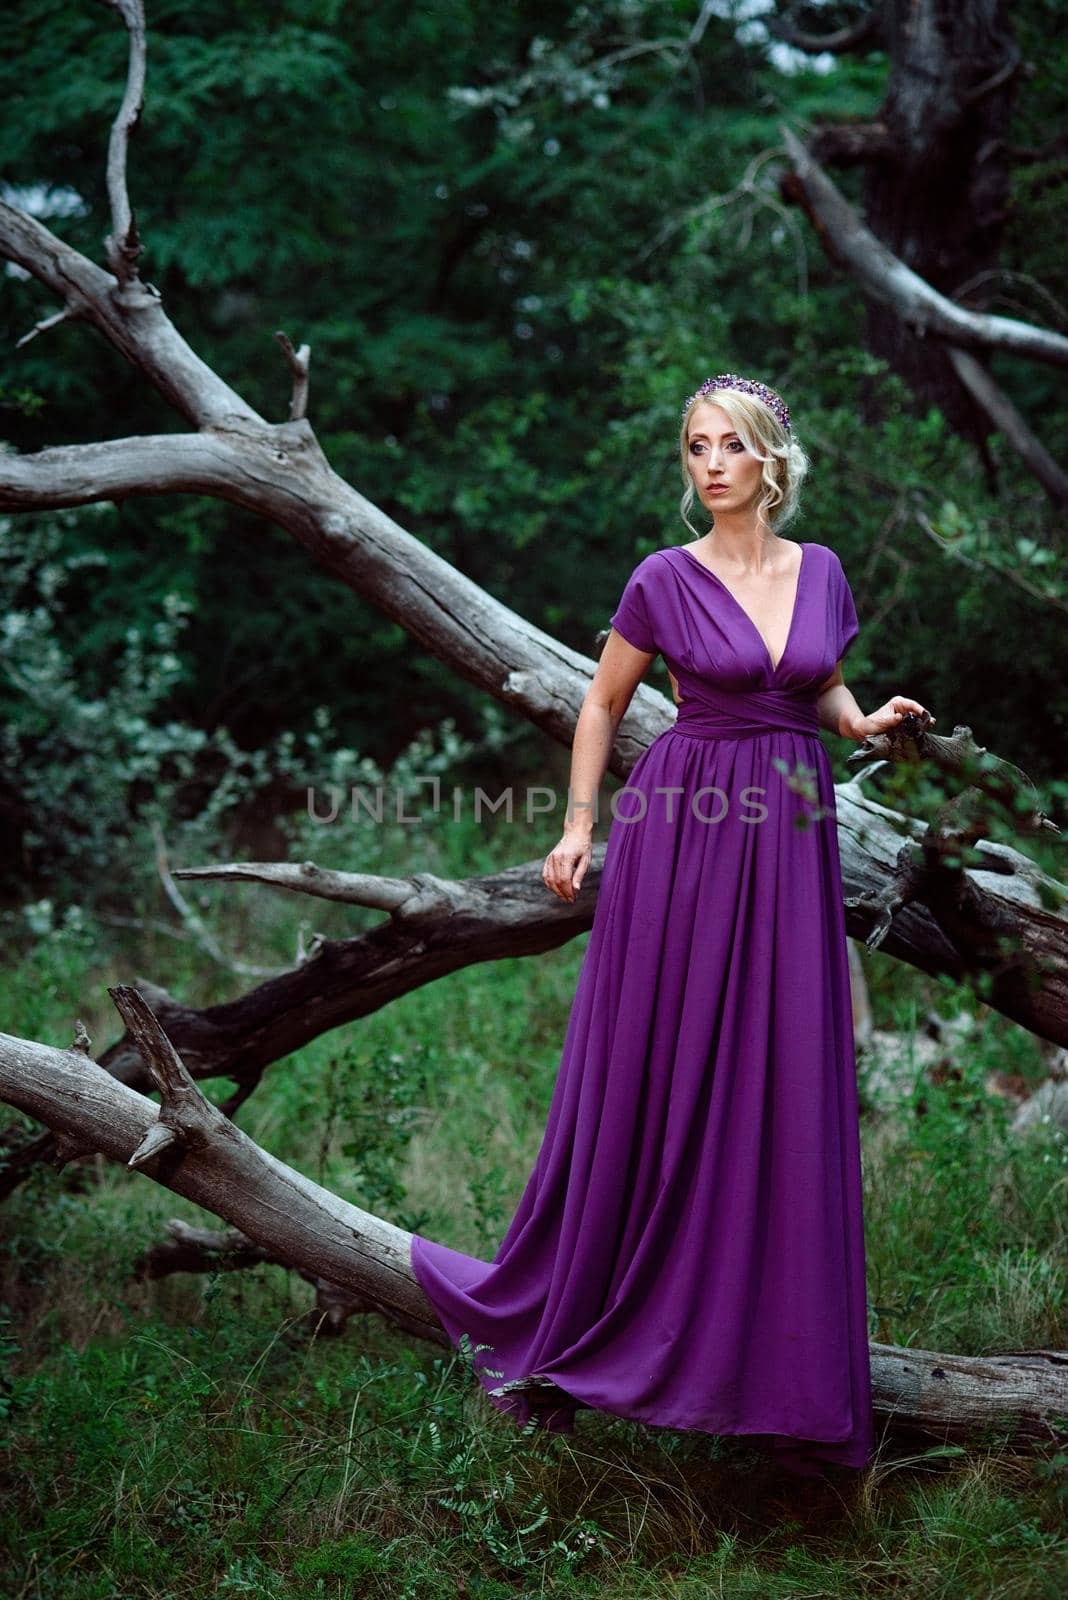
[[567, 863]]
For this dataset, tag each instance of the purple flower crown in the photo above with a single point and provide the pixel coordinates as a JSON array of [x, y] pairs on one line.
[[730, 380]]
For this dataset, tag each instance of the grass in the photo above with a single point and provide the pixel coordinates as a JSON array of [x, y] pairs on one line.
[[189, 1437]]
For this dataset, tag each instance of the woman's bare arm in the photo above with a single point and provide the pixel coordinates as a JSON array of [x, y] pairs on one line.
[[619, 672]]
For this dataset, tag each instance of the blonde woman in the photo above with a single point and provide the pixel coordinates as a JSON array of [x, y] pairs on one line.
[[689, 1249]]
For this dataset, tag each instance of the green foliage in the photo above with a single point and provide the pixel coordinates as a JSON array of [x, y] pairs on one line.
[[514, 244], [89, 772], [373, 1105], [951, 1151], [95, 762], [188, 1436], [356, 809]]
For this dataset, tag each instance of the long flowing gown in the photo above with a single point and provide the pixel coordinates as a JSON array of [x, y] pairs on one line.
[[689, 1248]]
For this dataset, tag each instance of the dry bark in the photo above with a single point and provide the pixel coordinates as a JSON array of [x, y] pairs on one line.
[[889, 279], [1000, 916], [942, 897], [359, 1262], [1002, 919]]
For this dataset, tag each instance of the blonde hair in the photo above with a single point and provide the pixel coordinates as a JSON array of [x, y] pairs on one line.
[[761, 432]]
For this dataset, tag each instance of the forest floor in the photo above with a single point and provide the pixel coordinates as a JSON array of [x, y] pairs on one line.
[[190, 1437]]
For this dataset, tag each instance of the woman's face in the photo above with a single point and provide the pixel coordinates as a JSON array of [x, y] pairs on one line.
[[725, 475]]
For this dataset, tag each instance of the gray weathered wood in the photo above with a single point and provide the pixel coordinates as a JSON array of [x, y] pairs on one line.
[[365, 1263]]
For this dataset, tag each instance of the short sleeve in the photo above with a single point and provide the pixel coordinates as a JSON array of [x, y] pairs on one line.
[[848, 626], [632, 617]]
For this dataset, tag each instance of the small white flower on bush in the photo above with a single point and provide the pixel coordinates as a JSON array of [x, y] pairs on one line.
[[40, 916]]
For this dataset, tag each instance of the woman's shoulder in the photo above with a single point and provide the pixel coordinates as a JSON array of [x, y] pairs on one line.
[[661, 560], [825, 557], [822, 552]]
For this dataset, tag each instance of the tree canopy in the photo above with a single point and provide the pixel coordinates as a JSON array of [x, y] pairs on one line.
[[515, 242]]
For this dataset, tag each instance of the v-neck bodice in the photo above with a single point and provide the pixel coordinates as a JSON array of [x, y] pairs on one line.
[[774, 665], [714, 650]]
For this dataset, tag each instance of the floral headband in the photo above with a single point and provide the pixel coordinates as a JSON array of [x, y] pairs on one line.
[[731, 380]]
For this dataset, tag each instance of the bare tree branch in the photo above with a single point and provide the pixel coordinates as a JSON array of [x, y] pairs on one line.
[[190, 1147], [164, 463], [865, 31], [66, 315], [925, 310], [191, 1249], [882, 275], [129, 315], [194, 923], [437, 926], [849, 144], [401, 897], [122, 245], [280, 472], [996, 404], [299, 361]]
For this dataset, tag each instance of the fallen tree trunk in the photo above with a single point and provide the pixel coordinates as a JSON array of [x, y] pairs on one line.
[[281, 473], [951, 1397], [190, 1147], [998, 916]]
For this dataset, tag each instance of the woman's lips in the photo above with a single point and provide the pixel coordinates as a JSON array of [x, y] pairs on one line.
[[718, 488]]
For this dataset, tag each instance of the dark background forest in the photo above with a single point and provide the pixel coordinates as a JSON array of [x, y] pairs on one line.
[[515, 239], [515, 242]]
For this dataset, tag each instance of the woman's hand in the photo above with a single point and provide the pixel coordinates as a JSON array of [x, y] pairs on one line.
[[566, 864], [888, 717]]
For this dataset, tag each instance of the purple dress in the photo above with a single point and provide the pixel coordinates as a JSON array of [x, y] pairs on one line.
[[689, 1248]]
